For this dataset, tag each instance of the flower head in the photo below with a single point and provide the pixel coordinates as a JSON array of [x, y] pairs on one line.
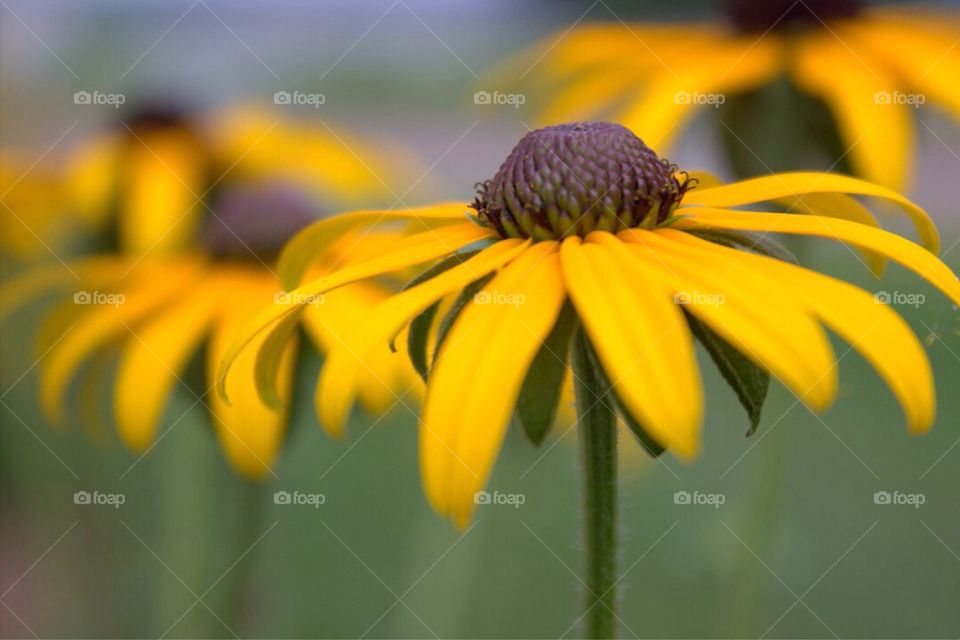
[[639, 292], [200, 209], [547, 188], [872, 67]]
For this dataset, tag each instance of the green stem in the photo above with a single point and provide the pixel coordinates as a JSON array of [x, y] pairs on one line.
[[598, 440]]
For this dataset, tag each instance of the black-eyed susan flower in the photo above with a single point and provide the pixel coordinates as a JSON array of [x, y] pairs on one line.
[[587, 250], [871, 66], [199, 210], [584, 225]]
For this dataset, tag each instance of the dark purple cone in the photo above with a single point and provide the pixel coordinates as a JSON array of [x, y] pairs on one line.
[[759, 16], [571, 179], [255, 220]]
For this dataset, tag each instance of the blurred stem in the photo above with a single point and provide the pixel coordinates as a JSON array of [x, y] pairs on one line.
[[250, 503], [598, 444]]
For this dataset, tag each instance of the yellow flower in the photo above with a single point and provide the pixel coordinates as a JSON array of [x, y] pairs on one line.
[[872, 66], [201, 209], [587, 214]]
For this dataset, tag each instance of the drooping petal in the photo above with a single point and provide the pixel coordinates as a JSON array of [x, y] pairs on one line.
[[311, 243], [838, 205], [640, 336], [154, 357], [387, 375], [107, 320], [478, 374], [872, 328], [250, 432], [280, 318], [894, 247], [747, 309], [337, 386], [877, 133], [802, 184]]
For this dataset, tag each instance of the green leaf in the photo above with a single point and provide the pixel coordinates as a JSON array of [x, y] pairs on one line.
[[417, 338], [652, 446], [749, 381], [762, 244], [421, 324], [540, 394], [466, 296]]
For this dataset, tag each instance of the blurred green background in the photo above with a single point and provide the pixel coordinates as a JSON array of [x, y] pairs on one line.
[[799, 548]]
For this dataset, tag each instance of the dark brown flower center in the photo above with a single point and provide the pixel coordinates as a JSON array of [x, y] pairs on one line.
[[572, 179], [763, 15], [251, 221]]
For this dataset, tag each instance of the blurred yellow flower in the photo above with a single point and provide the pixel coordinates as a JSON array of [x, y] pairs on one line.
[[584, 224], [200, 208], [873, 67]]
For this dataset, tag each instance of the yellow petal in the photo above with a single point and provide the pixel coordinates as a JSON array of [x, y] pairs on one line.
[[82, 275], [801, 184], [695, 78], [387, 375], [478, 374], [165, 177], [749, 310], [155, 355], [878, 135], [900, 250], [280, 319], [838, 205], [311, 243], [109, 319], [640, 336], [337, 387], [921, 49], [250, 432], [872, 328]]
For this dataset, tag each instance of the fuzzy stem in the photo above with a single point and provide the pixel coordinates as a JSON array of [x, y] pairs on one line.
[[598, 443]]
